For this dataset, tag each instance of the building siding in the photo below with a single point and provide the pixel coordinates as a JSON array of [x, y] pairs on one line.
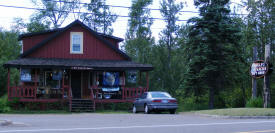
[[93, 48], [29, 42], [113, 41]]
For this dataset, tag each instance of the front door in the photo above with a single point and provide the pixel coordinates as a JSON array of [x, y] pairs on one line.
[[76, 84]]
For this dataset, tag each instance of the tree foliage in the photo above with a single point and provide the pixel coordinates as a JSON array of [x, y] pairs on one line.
[[169, 66], [169, 11], [139, 40], [260, 24], [9, 50], [260, 31], [213, 54], [33, 26], [99, 17], [55, 12]]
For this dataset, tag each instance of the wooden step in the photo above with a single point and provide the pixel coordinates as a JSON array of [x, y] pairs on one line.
[[82, 105]]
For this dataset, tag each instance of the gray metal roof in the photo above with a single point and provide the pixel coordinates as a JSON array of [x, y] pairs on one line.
[[77, 64]]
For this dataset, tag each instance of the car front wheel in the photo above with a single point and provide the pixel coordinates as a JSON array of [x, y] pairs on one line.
[[146, 110]]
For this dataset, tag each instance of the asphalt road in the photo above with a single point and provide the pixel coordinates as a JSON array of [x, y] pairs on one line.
[[132, 123]]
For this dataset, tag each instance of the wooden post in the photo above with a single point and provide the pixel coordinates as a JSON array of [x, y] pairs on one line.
[[8, 83], [123, 85], [96, 81], [35, 83], [147, 80], [139, 82], [266, 79], [254, 81], [63, 75]]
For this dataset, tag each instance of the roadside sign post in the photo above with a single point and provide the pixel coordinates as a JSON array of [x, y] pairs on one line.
[[261, 69], [258, 69], [254, 81], [266, 79]]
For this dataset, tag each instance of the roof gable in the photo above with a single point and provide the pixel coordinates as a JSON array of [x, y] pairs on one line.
[[22, 36], [58, 32]]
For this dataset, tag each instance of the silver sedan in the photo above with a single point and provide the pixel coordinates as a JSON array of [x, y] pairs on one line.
[[155, 101]]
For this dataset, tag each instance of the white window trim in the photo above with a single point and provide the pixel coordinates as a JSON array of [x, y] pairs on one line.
[[81, 42]]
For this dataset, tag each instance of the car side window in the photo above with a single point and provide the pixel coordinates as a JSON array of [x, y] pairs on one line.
[[143, 96]]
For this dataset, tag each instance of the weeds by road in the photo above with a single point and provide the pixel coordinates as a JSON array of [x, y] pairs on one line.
[[240, 112]]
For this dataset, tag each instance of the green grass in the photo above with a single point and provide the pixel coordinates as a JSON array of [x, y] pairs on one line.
[[62, 112], [240, 112], [111, 112]]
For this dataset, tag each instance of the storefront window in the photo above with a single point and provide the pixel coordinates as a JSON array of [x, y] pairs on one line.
[[51, 80], [25, 75]]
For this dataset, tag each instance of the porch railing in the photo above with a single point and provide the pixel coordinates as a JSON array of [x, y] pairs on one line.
[[124, 93], [25, 91], [30, 92], [129, 93]]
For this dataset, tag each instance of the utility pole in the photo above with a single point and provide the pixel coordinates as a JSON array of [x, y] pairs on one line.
[[266, 78], [254, 80]]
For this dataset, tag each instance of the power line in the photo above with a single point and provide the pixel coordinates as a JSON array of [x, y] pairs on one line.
[[123, 16], [78, 12], [115, 6], [127, 7]]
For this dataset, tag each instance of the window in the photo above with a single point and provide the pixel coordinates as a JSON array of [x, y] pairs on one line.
[[50, 81], [160, 95], [76, 43]]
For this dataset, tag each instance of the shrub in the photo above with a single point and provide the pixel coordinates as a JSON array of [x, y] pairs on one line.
[[4, 106], [234, 98], [256, 103], [191, 104], [114, 106]]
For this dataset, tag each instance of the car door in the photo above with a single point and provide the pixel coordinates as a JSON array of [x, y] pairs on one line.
[[141, 101]]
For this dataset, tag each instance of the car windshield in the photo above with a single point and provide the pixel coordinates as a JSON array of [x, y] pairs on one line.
[[160, 95]]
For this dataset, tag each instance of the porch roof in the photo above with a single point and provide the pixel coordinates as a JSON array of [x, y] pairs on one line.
[[79, 64]]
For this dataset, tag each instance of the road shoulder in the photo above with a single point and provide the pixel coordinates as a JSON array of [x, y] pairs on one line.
[[235, 117]]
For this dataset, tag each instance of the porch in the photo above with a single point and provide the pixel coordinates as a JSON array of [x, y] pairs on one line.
[[33, 94], [49, 83]]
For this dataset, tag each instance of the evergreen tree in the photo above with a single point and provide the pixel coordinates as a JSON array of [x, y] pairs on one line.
[[213, 54], [139, 38]]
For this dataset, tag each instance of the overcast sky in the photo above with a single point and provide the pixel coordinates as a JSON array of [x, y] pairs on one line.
[[120, 26]]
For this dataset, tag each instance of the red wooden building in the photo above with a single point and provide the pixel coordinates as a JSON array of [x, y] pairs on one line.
[[77, 65]]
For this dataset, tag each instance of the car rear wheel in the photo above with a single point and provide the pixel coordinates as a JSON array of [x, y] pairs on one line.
[[172, 111], [134, 109], [146, 110]]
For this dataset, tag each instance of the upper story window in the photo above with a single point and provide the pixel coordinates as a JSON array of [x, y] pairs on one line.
[[76, 43]]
